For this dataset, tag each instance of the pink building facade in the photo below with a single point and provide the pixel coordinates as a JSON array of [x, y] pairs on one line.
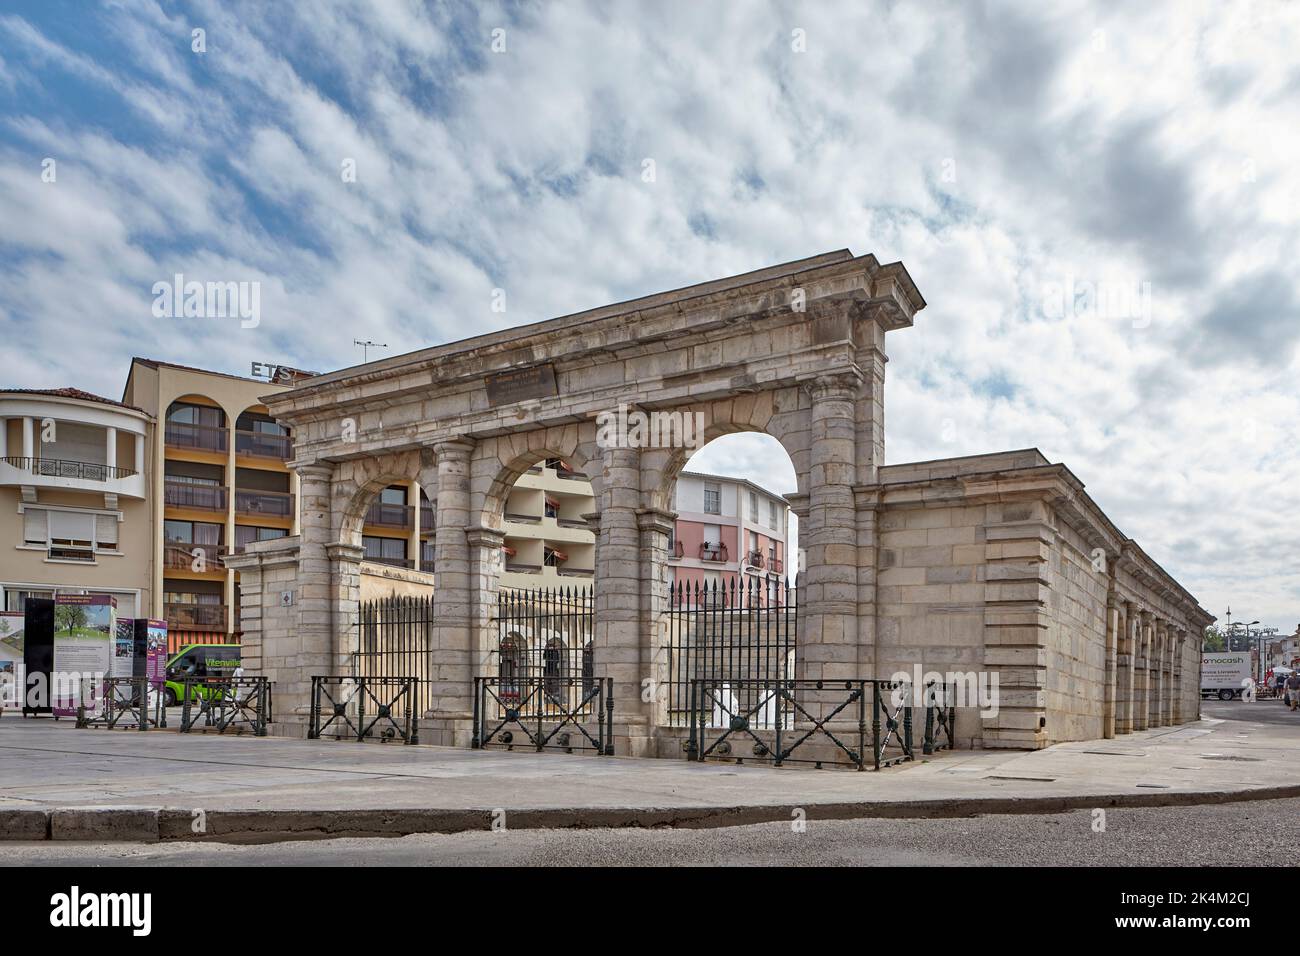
[[729, 533]]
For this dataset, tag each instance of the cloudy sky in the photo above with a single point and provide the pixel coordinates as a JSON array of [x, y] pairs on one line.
[[1099, 203]]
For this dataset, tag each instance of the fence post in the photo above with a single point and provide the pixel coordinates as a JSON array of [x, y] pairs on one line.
[[609, 717], [780, 688], [313, 718], [875, 722], [927, 745], [907, 724], [476, 738], [413, 714], [862, 725]]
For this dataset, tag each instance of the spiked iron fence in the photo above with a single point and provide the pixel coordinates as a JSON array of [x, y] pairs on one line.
[[545, 634], [740, 635], [395, 636]]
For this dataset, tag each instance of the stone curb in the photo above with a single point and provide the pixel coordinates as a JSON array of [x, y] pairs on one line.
[[145, 824]]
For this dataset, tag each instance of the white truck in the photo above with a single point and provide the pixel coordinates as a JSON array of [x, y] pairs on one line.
[[1225, 674]]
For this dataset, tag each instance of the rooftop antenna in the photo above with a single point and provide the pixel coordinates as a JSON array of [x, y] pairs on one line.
[[366, 346]]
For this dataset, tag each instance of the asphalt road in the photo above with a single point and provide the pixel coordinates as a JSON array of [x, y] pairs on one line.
[[1178, 836], [1260, 712]]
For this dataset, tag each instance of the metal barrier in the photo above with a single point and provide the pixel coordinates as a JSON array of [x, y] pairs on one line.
[[940, 715], [225, 703], [356, 705], [122, 698], [543, 708], [827, 718]]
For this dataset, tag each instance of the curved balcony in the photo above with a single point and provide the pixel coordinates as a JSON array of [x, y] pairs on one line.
[[713, 552], [66, 475]]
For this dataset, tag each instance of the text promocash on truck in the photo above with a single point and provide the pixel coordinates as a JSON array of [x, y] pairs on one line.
[[1225, 674]]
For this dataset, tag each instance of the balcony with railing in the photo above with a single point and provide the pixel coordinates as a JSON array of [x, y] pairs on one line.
[[383, 514], [60, 473], [778, 566], [390, 562], [195, 437], [676, 549], [426, 517], [185, 494], [188, 556], [713, 552], [264, 445], [756, 559], [270, 504], [195, 617]]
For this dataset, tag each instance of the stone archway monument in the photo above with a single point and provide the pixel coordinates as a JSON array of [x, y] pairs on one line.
[[950, 563], [796, 351]]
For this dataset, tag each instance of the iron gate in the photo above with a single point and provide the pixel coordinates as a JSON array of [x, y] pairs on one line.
[[736, 633], [395, 637]]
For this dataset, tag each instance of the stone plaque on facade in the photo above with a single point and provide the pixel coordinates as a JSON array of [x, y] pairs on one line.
[[537, 381]]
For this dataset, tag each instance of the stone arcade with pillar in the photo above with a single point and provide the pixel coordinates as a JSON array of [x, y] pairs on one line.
[[999, 564]]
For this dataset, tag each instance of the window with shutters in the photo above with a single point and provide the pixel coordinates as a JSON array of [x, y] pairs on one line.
[[70, 535]]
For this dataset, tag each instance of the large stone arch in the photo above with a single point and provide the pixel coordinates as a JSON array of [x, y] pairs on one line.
[[357, 482], [780, 413]]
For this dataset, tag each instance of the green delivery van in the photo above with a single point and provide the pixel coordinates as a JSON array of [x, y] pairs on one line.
[[198, 660]]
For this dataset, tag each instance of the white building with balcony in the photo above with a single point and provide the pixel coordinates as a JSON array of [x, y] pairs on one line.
[[74, 513]]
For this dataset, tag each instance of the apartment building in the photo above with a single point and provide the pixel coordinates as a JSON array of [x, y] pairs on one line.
[[547, 541], [74, 498], [727, 529], [218, 480], [729, 532]]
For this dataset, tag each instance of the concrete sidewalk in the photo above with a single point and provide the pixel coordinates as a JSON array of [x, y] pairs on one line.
[[57, 782]]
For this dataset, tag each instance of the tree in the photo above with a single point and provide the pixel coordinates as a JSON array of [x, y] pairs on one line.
[[1214, 639]]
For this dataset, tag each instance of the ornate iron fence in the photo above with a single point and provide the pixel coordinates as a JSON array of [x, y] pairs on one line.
[[570, 713], [359, 708], [940, 717], [226, 703], [853, 722], [730, 632]]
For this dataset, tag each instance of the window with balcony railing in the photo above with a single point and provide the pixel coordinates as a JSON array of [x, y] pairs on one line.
[[185, 492], [275, 504], [199, 437], [710, 551], [263, 445]]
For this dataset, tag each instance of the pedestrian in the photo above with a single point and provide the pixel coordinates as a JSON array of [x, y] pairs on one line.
[[1293, 690]]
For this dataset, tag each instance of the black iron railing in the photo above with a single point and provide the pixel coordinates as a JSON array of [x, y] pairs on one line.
[[63, 468], [235, 704], [395, 636], [569, 714], [727, 631], [362, 708], [854, 722], [545, 633]]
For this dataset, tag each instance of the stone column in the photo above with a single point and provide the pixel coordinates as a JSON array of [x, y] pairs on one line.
[[1124, 669], [453, 657], [618, 648], [1176, 663], [1142, 673], [315, 645], [1171, 690], [866, 505], [345, 600], [1160, 686], [1109, 723], [828, 632], [655, 526]]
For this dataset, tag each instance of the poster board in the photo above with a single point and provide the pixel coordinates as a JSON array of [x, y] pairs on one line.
[[85, 632], [13, 673]]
